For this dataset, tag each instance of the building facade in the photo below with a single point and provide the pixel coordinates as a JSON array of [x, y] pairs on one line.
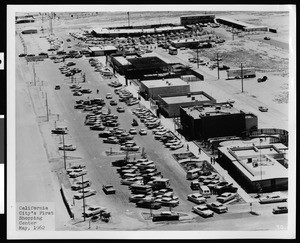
[[194, 19]]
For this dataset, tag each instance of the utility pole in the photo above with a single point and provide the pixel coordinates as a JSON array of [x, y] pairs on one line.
[[218, 65], [197, 56], [47, 110], [64, 151], [260, 159], [242, 77], [128, 19], [83, 200]]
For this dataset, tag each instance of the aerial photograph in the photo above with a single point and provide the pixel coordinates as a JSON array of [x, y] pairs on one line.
[[133, 122]]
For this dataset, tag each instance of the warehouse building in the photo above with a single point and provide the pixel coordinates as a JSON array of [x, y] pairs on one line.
[[135, 32], [256, 167], [102, 50], [194, 19], [29, 31], [153, 88], [215, 120], [241, 25], [169, 104]]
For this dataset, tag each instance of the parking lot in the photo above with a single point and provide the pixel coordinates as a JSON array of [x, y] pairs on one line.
[[91, 149]]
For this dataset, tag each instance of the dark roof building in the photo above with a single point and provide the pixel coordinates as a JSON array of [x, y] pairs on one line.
[[215, 120], [195, 19]]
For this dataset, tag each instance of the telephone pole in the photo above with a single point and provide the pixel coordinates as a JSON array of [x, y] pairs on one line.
[[47, 109], [128, 19], [218, 65], [83, 200], [198, 56]]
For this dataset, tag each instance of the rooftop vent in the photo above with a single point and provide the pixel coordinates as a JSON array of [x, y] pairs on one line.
[[189, 94]]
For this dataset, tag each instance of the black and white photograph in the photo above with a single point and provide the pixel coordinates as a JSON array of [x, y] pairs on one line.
[[151, 121]]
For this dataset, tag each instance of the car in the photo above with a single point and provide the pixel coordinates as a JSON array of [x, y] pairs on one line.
[[132, 102], [195, 185], [86, 91], [71, 63], [148, 204], [67, 147], [57, 87], [196, 198], [165, 216], [267, 38], [263, 108], [78, 186], [108, 96], [120, 109], [203, 211], [77, 93], [22, 55], [136, 198], [113, 102], [75, 86], [68, 40], [134, 180], [87, 193], [79, 106], [94, 208], [172, 142], [77, 174], [274, 198], [132, 148], [143, 131], [177, 146], [168, 201], [132, 131], [108, 189], [226, 196], [280, 209], [111, 140], [59, 130], [97, 127], [217, 207]]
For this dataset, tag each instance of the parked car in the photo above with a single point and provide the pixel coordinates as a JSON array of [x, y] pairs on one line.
[[57, 87], [217, 207], [97, 127], [178, 146], [59, 130], [67, 147], [77, 93], [130, 181], [267, 38], [113, 102], [134, 123], [108, 189], [165, 216], [86, 91], [195, 185], [263, 108], [226, 196], [136, 198], [148, 204], [143, 131], [131, 148], [111, 140], [168, 201], [280, 209], [203, 211], [108, 96], [132, 131], [22, 55], [273, 199], [120, 109], [196, 198], [78, 186], [77, 174], [87, 193]]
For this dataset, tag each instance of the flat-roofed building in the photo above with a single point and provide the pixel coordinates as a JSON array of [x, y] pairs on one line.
[[102, 50], [153, 88], [169, 104], [241, 25], [119, 63], [199, 18], [257, 166], [214, 120]]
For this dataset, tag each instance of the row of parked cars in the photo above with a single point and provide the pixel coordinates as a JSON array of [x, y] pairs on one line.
[[67, 70], [148, 187], [126, 96], [99, 67]]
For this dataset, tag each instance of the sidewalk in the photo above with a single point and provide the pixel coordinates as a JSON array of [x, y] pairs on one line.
[[168, 123]]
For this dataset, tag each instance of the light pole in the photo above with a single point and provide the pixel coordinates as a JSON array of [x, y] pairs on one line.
[[64, 151], [242, 77], [83, 200]]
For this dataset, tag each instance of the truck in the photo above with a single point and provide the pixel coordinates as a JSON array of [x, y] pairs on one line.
[[238, 73]]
